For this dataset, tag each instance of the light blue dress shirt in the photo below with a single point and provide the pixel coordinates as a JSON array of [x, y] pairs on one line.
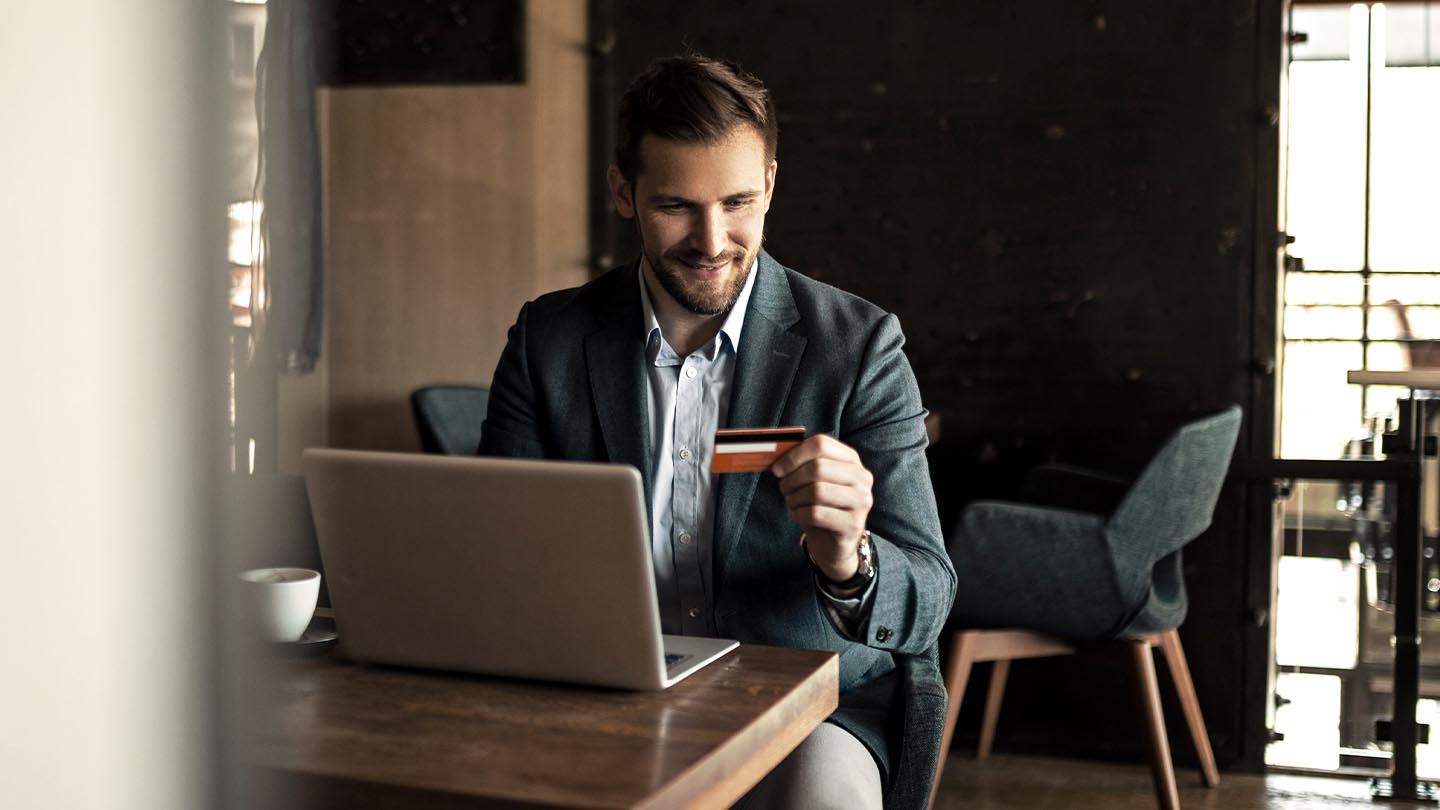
[[689, 398]]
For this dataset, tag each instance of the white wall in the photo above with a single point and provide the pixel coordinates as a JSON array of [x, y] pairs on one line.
[[111, 261]]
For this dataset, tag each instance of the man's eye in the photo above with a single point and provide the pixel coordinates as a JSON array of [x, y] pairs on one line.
[[736, 205], [672, 208]]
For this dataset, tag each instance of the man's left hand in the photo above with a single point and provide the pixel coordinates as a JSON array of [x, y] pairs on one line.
[[827, 490]]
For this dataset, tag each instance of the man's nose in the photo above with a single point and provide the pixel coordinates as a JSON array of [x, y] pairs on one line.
[[710, 236]]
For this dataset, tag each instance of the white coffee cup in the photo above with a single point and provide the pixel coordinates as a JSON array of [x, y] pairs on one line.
[[279, 602]]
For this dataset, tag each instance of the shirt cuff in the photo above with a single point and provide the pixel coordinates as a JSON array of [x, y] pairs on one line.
[[850, 615]]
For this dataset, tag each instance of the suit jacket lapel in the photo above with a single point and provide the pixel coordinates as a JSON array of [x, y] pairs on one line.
[[768, 358], [614, 357]]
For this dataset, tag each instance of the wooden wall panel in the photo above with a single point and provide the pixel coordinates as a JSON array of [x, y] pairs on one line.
[[560, 166], [448, 207]]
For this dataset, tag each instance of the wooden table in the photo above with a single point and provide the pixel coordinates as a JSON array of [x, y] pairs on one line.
[[339, 735], [1424, 379]]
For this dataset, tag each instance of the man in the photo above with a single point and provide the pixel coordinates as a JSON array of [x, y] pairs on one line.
[[837, 546]]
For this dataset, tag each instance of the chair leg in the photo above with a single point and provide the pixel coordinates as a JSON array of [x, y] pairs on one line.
[[1148, 692], [957, 673], [993, 698], [1185, 688]]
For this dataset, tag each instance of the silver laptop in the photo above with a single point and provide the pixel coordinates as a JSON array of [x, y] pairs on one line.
[[530, 569]]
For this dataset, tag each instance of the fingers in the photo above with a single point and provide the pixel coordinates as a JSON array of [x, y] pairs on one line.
[[826, 487], [823, 470], [816, 447], [827, 471], [831, 494], [829, 522]]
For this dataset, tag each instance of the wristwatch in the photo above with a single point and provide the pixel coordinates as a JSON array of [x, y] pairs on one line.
[[864, 572]]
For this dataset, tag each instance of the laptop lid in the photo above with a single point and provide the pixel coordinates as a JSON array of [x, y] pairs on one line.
[[534, 569]]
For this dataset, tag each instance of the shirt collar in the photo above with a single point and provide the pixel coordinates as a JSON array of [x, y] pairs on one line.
[[732, 325]]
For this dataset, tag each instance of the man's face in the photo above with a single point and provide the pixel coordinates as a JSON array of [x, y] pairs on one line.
[[701, 212]]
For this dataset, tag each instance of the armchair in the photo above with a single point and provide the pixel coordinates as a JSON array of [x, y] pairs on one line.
[[1092, 561], [448, 417]]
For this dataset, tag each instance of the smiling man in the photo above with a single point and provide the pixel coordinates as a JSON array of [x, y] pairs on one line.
[[837, 545]]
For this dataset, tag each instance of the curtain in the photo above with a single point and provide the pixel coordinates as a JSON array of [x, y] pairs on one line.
[[288, 285]]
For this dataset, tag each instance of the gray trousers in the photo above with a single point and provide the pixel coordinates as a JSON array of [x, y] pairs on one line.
[[829, 770]]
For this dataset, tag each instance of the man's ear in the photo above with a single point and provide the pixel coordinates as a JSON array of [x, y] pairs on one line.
[[770, 172], [622, 192]]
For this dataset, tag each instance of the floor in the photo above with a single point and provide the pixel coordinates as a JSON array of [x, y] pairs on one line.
[[1023, 783]]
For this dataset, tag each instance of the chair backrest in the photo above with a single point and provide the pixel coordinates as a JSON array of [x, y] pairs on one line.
[[1173, 500], [448, 417], [1170, 504]]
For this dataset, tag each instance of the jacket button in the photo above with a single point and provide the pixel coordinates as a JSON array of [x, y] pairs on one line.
[[883, 634]]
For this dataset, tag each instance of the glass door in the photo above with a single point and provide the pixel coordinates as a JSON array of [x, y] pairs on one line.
[[1361, 291]]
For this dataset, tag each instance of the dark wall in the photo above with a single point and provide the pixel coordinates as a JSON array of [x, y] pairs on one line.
[[379, 42], [1070, 205]]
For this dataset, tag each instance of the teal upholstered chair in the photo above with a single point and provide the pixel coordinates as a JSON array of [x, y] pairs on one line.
[[448, 417], [1086, 558]]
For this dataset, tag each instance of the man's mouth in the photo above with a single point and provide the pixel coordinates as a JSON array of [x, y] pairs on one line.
[[706, 267]]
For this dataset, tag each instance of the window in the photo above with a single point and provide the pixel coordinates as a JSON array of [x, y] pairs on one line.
[[1362, 202], [1362, 196], [246, 24]]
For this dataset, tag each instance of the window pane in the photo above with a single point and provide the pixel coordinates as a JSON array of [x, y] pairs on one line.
[[1407, 287], [1387, 356], [1309, 721], [1412, 34], [1317, 613], [1322, 322], [1423, 352], [1416, 322], [1319, 409], [1325, 171], [1427, 756], [1405, 167], [1380, 401], [1324, 288], [1327, 32]]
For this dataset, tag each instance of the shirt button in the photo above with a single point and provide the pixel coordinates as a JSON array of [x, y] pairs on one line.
[[684, 538], [694, 613], [690, 372], [685, 453]]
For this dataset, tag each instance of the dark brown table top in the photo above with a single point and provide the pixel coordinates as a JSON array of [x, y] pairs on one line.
[[332, 734]]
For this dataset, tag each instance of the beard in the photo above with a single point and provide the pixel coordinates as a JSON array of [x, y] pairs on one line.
[[700, 297]]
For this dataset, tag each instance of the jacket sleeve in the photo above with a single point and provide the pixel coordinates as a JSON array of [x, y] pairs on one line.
[[884, 422], [511, 426]]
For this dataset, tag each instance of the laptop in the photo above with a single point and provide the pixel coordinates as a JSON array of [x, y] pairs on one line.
[[516, 568]]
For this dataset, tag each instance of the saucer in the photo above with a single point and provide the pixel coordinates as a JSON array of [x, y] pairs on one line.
[[317, 639], [315, 635]]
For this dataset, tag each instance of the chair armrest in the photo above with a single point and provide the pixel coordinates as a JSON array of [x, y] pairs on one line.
[[923, 702], [1068, 487]]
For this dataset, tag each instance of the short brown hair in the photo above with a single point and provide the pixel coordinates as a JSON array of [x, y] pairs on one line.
[[691, 99]]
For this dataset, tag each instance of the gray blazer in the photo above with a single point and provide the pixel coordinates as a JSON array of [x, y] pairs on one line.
[[571, 385]]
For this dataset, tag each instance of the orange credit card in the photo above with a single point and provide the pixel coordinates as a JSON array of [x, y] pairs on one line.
[[747, 450]]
